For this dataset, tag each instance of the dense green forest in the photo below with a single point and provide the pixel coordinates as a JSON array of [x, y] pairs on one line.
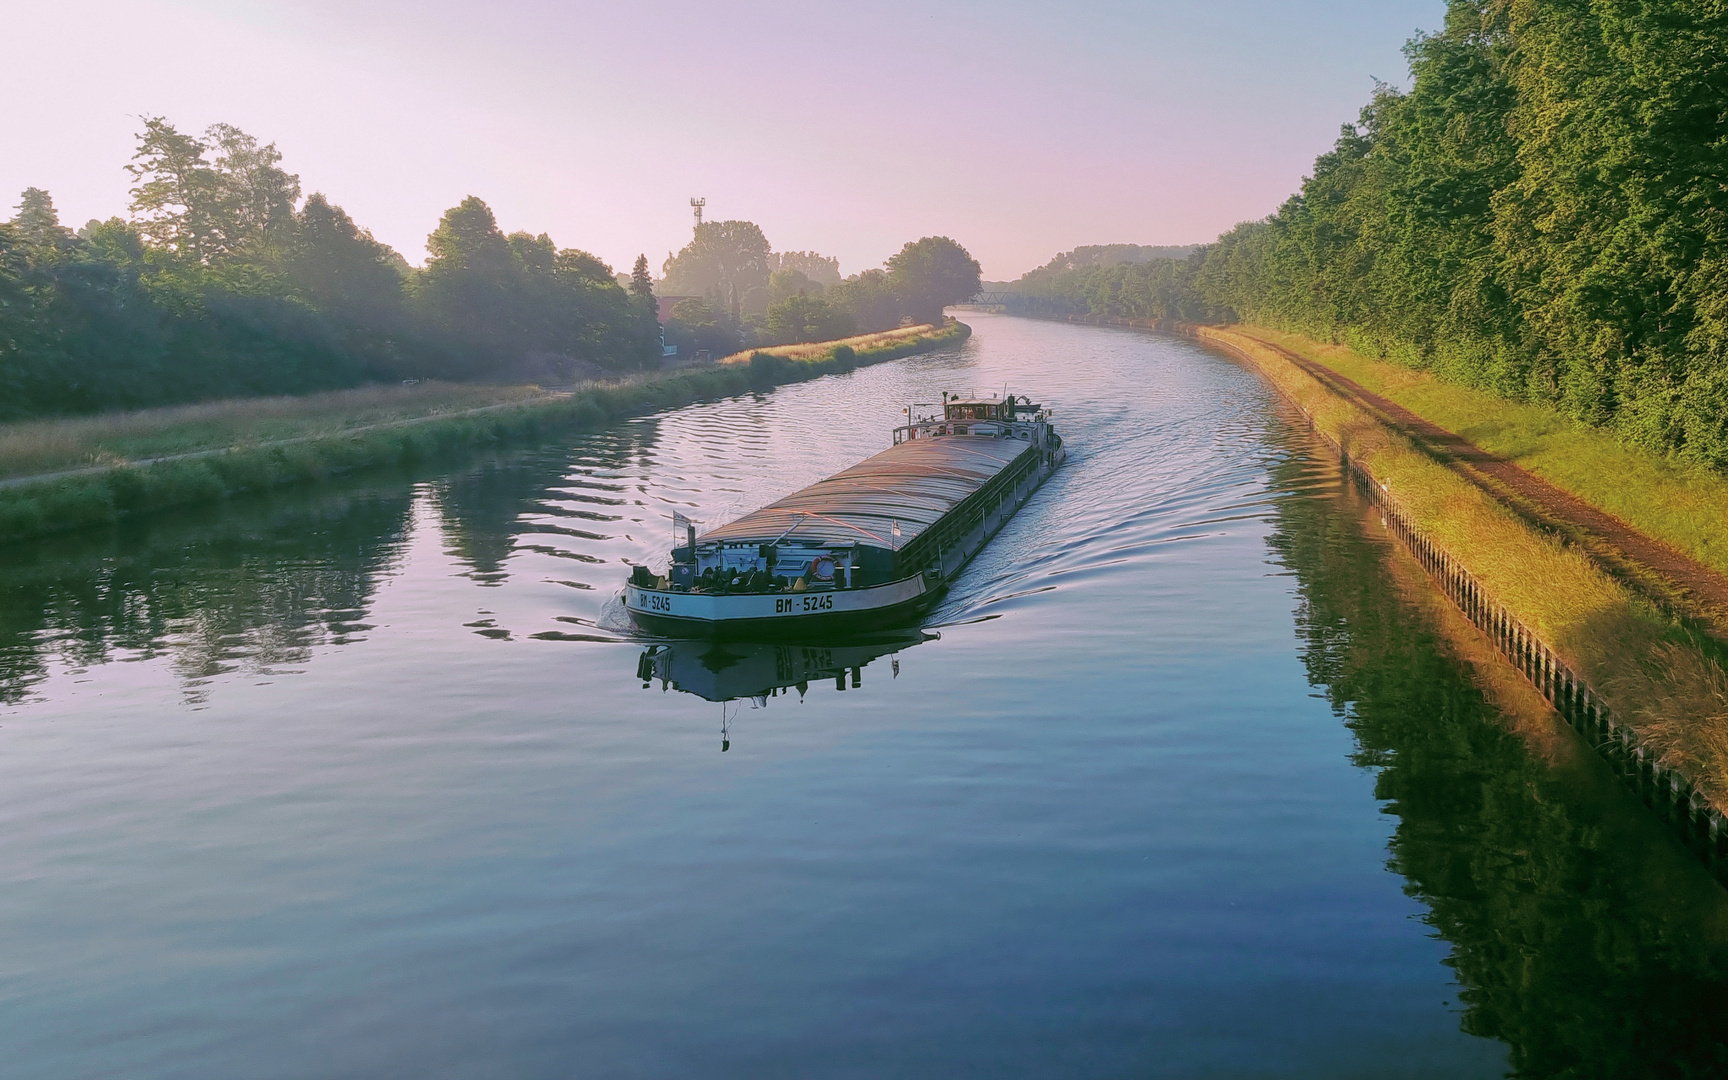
[[224, 281], [1542, 214]]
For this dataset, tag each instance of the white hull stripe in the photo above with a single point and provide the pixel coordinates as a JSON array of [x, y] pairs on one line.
[[786, 605]]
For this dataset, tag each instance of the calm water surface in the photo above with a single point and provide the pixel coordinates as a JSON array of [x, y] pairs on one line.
[[1188, 781]]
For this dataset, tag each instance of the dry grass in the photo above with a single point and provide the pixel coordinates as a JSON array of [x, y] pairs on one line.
[[862, 343], [1651, 673], [1683, 709], [1683, 504], [35, 447]]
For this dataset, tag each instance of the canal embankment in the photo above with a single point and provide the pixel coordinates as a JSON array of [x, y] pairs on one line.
[[80, 472], [775, 364], [1585, 606]]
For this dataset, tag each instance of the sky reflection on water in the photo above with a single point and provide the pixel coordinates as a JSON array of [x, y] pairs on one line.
[[366, 782]]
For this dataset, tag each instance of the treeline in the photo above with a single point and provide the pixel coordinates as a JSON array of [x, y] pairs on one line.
[[225, 282], [1544, 214], [737, 292], [1162, 288]]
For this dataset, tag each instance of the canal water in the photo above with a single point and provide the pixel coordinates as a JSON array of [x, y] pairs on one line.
[[1186, 778]]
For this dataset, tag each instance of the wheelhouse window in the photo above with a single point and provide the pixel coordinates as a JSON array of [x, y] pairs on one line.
[[973, 411]]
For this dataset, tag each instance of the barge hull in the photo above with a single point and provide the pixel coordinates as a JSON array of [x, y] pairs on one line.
[[755, 618], [869, 548], [823, 626]]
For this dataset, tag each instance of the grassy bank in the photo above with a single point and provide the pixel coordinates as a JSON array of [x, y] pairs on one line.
[[1651, 671], [75, 473], [129, 438], [1683, 504], [864, 348]]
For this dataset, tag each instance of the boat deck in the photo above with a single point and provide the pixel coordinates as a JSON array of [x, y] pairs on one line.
[[914, 483]]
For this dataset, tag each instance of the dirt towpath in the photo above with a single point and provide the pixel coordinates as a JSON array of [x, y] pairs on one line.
[[1669, 577]]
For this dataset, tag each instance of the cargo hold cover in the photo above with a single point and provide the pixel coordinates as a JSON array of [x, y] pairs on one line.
[[914, 483]]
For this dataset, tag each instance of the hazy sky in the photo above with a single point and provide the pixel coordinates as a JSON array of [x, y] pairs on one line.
[[1019, 129]]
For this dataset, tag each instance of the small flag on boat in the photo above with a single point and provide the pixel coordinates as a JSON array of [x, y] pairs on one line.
[[683, 529], [896, 529]]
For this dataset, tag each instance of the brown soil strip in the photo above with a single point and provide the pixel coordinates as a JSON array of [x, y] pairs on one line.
[[1672, 579]]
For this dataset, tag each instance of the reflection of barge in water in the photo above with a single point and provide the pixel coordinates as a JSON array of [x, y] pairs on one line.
[[873, 546], [730, 671]]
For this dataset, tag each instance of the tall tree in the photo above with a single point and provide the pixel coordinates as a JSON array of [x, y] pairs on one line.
[[258, 196], [641, 284], [472, 285], [342, 270], [931, 273], [179, 200], [723, 257], [37, 222]]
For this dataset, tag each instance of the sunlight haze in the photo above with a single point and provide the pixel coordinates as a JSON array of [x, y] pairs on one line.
[[1020, 130]]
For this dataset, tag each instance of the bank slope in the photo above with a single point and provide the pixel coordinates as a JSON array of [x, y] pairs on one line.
[[1660, 676], [173, 475]]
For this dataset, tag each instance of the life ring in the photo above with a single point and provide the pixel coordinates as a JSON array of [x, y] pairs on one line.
[[821, 568]]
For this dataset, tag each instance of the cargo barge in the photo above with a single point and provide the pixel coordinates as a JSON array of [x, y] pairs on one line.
[[872, 547]]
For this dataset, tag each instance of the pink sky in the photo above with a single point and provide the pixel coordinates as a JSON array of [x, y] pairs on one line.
[[1018, 129]]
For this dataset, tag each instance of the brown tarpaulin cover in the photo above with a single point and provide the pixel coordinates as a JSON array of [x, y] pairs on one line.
[[914, 483]]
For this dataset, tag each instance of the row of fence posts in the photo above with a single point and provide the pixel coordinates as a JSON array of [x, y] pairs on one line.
[[1663, 789]]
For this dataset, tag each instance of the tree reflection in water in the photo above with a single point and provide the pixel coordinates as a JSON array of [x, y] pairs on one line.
[[252, 585], [1583, 934], [255, 585]]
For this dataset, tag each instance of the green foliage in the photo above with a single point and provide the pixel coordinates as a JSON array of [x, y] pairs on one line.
[[339, 269], [1542, 215], [1160, 289], [820, 270], [785, 284], [802, 318], [870, 298], [765, 369], [220, 287], [37, 223], [694, 325], [930, 274], [58, 503], [753, 293], [179, 197], [1093, 256], [724, 259], [641, 284]]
